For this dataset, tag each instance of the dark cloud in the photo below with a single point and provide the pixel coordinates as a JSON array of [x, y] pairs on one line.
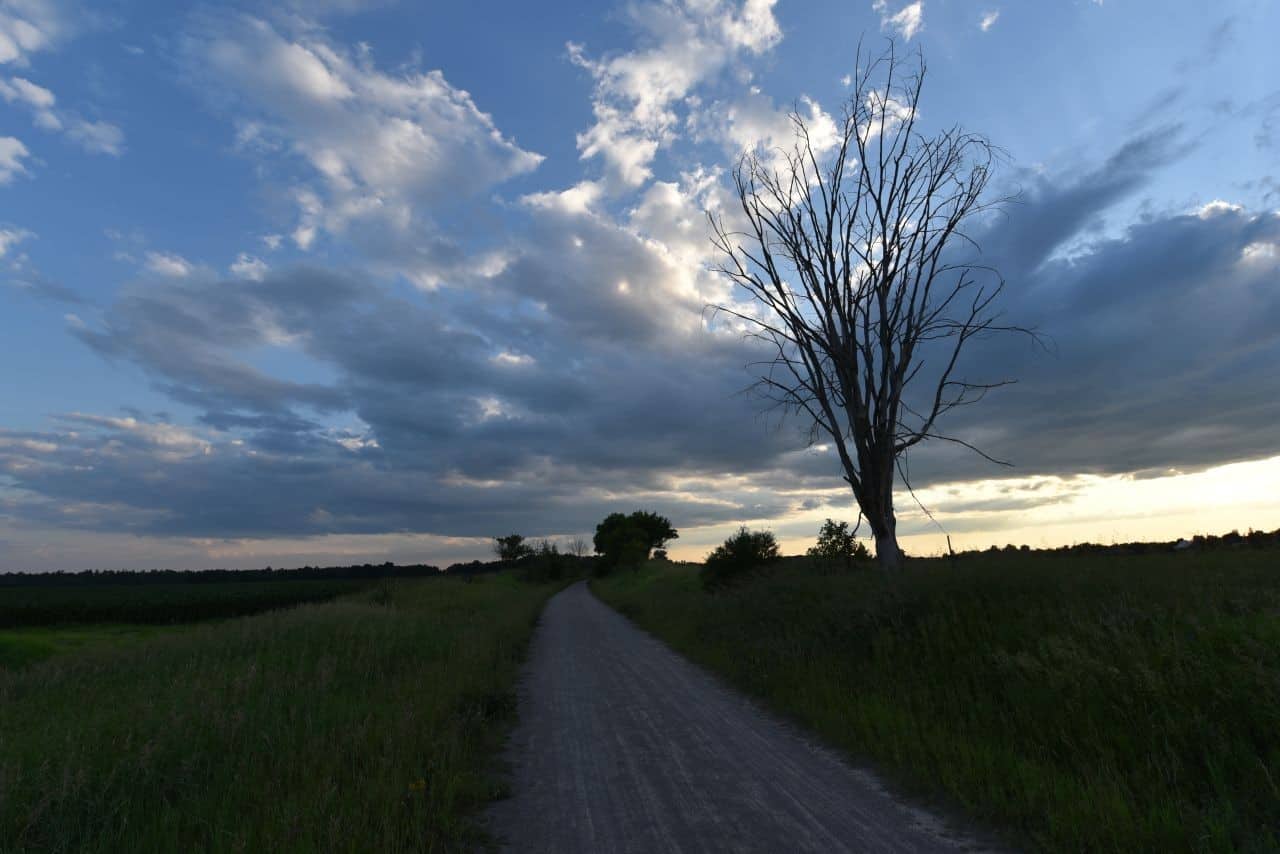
[[1164, 346], [1049, 211]]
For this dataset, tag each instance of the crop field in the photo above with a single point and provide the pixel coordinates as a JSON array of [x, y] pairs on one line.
[[365, 723], [1103, 703], [169, 602]]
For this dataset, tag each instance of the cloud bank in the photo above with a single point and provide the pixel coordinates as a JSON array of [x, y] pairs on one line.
[[566, 365]]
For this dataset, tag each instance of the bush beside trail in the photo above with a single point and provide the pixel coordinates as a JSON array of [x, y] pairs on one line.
[[739, 556]]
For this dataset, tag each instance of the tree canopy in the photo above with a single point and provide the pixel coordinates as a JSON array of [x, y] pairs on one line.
[[623, 539]]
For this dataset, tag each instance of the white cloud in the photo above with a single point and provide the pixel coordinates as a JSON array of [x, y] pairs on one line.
[[318, 7], [247, 266], [272, 241], [12, 152], [1217, 207], [989, 20], [288, 68], [10, 237], [907, 21], [174, 441], [671, 218], [21, 89], [578, 199], [686, 42], [27, 26], [97, 137], [1261, 253], [168, 264], [383, 148], [753, 123], [512, 360]]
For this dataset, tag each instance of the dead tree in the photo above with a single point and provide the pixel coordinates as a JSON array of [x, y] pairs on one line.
[[865, 279]]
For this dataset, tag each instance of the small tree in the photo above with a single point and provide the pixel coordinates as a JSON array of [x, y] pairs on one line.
[[624, 540], [740, 555], [578, 547], [838, 544], [511, 547]]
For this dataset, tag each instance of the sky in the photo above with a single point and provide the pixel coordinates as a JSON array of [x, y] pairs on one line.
[[365, 280]]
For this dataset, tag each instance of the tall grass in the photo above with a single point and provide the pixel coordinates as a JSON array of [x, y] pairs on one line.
[[24, 646], [363, 724], [1101, 703]]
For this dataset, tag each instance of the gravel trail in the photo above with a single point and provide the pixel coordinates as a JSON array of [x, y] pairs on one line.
[[624, 746]]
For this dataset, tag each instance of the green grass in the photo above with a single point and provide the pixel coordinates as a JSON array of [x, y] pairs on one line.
[[1100, 703], [363, 724], [25, 646], [165, 602]]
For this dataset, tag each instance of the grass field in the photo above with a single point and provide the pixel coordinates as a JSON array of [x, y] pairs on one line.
[[1102, 703], [168, 602], [362, 724], [22, 647]]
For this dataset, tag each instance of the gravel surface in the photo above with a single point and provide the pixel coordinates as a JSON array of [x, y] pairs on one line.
[[623, 745]]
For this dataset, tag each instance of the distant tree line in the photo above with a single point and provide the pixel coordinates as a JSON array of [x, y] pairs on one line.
[[366, 571], [1199, 542], [621, 540]]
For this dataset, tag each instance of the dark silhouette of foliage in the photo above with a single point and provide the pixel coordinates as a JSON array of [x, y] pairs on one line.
[[133, 577], [739, 556], [530, 566], [657, 529], [838, 546], [511, 547], [545, 563], [151, 603], [627, 540]]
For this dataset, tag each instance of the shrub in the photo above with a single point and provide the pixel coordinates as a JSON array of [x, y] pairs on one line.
[[544, 563], [739, 556], [838, 546]]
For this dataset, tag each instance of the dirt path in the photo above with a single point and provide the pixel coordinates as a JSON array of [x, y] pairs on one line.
[[625, 746]]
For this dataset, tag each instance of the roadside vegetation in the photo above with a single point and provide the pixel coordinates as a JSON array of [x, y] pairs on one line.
[[364, 723], [22, 647], [1082, 701]]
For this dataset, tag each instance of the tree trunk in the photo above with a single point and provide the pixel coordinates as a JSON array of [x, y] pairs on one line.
[[888, 555], [878, 481], [884, 526]]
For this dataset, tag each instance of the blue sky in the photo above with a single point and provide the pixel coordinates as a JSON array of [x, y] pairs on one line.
[[359, 279]]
